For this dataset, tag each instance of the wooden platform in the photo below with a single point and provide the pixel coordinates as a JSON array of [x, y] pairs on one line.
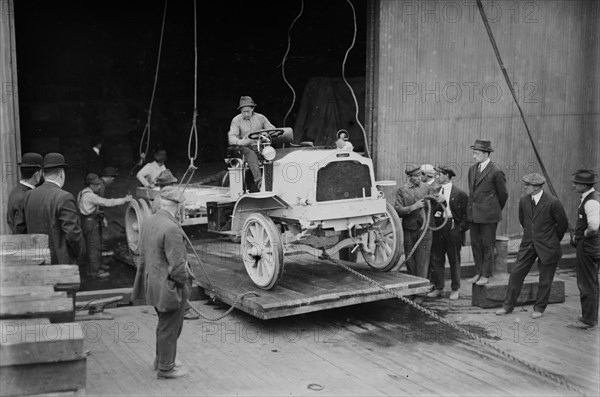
[[307, 285]]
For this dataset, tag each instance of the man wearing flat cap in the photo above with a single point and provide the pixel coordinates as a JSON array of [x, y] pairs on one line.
[[544, 223], [241, 126], [410, 199], [164, 179], [31, 174], [89, 203], [449, 240], [587, 241], [428, 176], [487, 197], [53, 211]]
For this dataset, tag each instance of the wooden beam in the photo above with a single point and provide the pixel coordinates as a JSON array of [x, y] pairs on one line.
[[61, 277], [33, 302], [30, 379]]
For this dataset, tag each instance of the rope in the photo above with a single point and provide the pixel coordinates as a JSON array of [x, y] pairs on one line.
[[287, 51], [514, 95], [348, 84]]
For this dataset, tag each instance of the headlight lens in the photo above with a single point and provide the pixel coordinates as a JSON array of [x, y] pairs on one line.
[[268, 153]]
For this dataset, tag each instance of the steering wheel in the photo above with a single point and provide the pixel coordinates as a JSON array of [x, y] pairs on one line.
[[272, 133]]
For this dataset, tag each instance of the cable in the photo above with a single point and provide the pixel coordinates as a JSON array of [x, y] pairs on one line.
[[287, 51], [348, 84]]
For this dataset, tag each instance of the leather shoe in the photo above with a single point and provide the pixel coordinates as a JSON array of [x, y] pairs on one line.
[[473, 279], [172, 374], [502, 312], [482, 281], [454, 295], [178, 364], [581, 325], [536, 314], [435, 293]]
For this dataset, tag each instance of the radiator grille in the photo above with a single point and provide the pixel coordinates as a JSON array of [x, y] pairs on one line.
[[342, 180]]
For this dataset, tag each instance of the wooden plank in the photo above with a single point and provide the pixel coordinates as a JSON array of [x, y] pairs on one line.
[[28, 342], [33, 302], [493, 294], [24, 248], [24, 262], [57, 377], [62, 277]]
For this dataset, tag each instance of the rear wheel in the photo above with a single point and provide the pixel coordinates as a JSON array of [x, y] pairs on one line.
[[387, 241], [137, 211], [262, 250]]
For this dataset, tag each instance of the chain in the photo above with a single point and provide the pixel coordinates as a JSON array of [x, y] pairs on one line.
[[540, 371], [222, 316]]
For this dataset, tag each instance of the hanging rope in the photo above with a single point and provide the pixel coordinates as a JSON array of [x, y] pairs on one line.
[[145, 139], [367, 151], [514, 95], [189, 173], [287, 51]]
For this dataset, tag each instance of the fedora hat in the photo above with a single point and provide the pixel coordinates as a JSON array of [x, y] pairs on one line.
[[92, 179], [484, 146], [54, 160], [446, 170], [585, 177], [31, 160], [246, 101]]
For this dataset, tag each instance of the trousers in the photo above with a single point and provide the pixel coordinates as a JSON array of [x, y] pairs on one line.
[[446, 242], [251, 158], [587, 281], [418, 263], [483, 244], [90, 228]]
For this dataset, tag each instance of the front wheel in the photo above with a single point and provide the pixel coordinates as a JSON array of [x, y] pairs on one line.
[[262, 250], [386, 240]]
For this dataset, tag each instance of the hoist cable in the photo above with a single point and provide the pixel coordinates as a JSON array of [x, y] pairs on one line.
[[287, 51]]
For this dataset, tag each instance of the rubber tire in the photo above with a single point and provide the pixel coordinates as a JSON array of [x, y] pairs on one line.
[[135, 214], [274, 235], [399, 238]]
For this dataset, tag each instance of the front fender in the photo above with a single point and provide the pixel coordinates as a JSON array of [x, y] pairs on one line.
[[254, 202]]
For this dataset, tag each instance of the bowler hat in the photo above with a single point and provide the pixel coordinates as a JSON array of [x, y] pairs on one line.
[[54, 160], [92, 179], [165, 178], [413, 170], [534, 179], [484, 146], [428, 169], [110, 171], [246, 101], [446, 170], [584, 176], [31, 160], [172, 193]]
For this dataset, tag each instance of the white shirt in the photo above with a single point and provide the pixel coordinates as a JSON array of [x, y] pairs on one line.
[[150, 172], [95, 149], [483, 165], [536, 197], [88, 201], [56, 183], [29, 185], [446, 190], [592, 212]]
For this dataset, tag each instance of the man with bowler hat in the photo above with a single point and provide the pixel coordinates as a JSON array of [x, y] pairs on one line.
[[487, 198], [587, 241], [449, 240], [240, 145], [544, 224], [31, 174], [53, 211], [163, 280]]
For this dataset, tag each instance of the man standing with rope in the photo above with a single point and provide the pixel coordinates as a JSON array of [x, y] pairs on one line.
[[241, 126], [487, 198]]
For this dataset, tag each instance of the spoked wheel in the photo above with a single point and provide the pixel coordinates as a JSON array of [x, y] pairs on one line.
[[386, 238], [136, 213], [262, 250]]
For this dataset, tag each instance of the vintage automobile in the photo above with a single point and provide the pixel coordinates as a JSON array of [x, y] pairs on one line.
[[312, 199]]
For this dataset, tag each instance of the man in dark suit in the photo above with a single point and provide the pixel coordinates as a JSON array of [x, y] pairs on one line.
[[52, 211], [162, 279], [487, 198], [449, 239], [31, 173], [544, 224]]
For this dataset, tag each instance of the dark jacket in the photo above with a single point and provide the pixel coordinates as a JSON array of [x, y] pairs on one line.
[[487, 194], [15, 217], [458, 206], [405, 197], [543, 227], [591, 244], [53, 211], [161, 271]]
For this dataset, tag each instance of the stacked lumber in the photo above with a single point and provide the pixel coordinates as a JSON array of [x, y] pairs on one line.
[[41, 348]]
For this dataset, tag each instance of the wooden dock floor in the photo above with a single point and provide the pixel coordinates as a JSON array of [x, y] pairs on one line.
[[377, 348]]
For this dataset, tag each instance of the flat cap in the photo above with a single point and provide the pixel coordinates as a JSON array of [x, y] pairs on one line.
[[534, 179], [31, 160], [413, 170], [445, 169], [165, 178], [92, 179], [585, 176], [110, 171], [172, 193], [428, 169]]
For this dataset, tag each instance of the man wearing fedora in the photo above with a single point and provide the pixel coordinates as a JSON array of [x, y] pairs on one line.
[[544, 223], [89, 203], [53, 211], [449, 240], [487, 198], [31, 174], [241, 126], [162, 279], [587, 241]]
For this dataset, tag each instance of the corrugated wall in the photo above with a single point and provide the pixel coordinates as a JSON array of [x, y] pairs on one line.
[[438, 87]]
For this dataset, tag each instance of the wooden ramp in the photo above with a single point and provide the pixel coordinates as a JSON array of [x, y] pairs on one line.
[[307, 285]]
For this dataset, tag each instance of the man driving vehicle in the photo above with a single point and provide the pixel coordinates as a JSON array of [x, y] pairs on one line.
[[241, 126]]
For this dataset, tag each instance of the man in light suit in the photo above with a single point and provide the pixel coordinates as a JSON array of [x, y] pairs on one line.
[[53, 211], [487, 198], [162, 279], [449, 240], [544, 224]]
